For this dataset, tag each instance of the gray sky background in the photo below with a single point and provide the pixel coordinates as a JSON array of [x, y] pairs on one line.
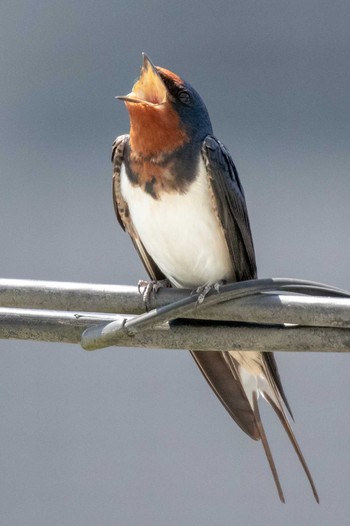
[[123, 437]]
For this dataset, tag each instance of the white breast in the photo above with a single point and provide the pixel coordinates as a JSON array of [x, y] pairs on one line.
[[181, 232]]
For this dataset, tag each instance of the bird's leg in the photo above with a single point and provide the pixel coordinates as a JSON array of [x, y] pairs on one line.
[[204, 290], [149, 289]]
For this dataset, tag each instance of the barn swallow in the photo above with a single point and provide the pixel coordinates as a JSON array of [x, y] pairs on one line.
[[177, 193]]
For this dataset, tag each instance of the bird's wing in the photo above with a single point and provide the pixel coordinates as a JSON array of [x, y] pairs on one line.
[[238, 378], [229, 203], [122, 210]]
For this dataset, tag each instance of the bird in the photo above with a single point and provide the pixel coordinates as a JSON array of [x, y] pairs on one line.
[[177, 193]]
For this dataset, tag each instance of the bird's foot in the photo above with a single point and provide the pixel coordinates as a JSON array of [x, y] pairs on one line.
[[204, 290], [149, 289]]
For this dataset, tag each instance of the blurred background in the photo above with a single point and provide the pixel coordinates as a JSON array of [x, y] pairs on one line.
[[136, 436]]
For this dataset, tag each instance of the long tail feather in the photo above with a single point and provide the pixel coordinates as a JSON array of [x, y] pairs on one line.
[[267, 447], [237, 378], [295, 445]]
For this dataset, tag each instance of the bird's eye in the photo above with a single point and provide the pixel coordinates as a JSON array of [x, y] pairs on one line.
[[184, 97]]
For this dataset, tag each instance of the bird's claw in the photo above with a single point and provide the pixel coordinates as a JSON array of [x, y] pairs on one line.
[[204, 290], [149, 289]]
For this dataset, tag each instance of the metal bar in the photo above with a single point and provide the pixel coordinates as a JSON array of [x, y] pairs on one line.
[[238, 337], [54, 295], [48, 325], [330, 316], [93, 338], [121, 299], [54, 326], [251, 308], [262, 309]]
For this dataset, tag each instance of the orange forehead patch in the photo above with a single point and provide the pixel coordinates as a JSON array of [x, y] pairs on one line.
[[178, 80]]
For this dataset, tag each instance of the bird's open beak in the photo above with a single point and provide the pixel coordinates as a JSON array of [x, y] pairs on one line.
[[149, 88]]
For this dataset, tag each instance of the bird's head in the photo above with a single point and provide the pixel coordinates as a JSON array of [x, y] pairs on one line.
[[165, 112]]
